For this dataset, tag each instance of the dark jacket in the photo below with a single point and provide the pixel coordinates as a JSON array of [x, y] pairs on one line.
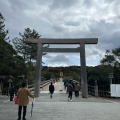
[[69, 88], [11, 90], [77, 87], [51, 88]]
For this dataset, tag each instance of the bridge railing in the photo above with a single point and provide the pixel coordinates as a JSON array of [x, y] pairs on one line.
[[104, 93], [43, 84], [91, 90], [100, 92]]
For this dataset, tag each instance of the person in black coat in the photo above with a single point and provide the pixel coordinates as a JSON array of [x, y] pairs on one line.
[[69, 90], [51, 89], [11, 92]]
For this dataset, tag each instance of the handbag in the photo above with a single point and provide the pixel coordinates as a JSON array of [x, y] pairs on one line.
[[16, 100]]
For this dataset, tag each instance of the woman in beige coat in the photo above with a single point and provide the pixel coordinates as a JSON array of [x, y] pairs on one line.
[[23, 100]]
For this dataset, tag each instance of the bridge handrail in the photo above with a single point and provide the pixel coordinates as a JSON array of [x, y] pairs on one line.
[[31, 87], [91, 90]]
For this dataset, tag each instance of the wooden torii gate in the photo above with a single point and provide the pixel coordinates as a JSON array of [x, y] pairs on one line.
[[81, 50]]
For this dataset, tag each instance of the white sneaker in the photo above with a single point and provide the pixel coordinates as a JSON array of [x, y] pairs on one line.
[[71, 100], [68, 99]]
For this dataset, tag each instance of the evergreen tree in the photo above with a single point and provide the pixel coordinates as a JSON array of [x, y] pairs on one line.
[[116, 53], [112, 57], [10, 63], [3, 32], [27, 51], [109, 58], [6, 50]]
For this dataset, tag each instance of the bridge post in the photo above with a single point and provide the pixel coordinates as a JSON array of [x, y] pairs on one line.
[[38, 71], [96, 89], [83, 71]]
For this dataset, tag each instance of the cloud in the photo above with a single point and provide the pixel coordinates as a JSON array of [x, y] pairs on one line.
[[59, 58], [63, 4], [67, 19]]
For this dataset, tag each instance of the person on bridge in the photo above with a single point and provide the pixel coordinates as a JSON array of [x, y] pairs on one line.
[[69, 90], [23, 100], [51, 89], [77, 89]]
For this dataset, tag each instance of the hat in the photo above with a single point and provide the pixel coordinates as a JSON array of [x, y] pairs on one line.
[[23, 84]]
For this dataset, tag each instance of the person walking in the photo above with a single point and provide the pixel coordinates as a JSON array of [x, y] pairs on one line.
[[11, 92], [77, 89], [51, 89], [23, 100], [69, 90]]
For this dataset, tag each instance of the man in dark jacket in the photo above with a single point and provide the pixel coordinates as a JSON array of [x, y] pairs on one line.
[[69, 90], [11, 92], [51, 89]]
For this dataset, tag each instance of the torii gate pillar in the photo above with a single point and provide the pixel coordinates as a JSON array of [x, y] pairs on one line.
[[38, 71], [83, 71]]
